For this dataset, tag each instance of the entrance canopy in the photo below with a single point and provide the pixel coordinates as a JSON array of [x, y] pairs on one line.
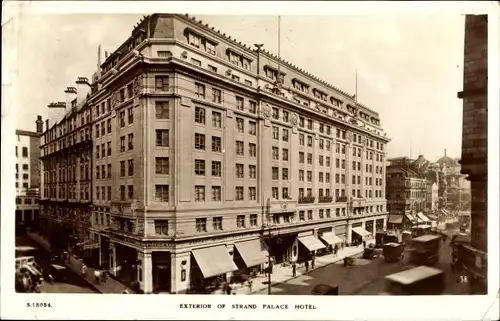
[[252, 252], [214, 261], [311, 242], [423, 217], [331, 238], [361, 231]]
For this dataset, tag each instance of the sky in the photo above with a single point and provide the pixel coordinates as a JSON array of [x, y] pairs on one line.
[[410, 67]]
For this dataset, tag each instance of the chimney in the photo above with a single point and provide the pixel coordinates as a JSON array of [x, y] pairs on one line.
[[46, 124], [82, 89], [39, 124], [70, 96], [106, 54], [56, 113], [445, 153]]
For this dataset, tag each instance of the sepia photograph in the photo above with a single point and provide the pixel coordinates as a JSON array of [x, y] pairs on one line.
[[274, 154]]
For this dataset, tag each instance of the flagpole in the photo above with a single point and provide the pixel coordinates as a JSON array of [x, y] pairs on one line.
[[356, 93]]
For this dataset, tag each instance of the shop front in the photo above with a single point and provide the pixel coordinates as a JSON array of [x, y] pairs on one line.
[[210, 269], [331, 240], [395, 222], [249, 258], [308, 245], [161, 270], [379, 225], [127, 266], [359, 234]]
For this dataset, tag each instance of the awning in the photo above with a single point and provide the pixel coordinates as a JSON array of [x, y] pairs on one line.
[[423, 217], [432, 217], [395, 219], [361, 231], [445, 212], [91, 246], [331, 238], [411, 218], [311, 242], [214, 261], [252, 252]]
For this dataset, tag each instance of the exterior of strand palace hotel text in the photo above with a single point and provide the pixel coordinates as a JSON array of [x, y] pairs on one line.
[[185, 160]]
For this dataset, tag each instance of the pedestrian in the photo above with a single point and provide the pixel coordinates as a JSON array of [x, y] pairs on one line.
[[228, 289], [306, 264], [104, 275], [342, 244], [84, 270], [312, 263], [336, 249], [97, 276], [364, 244], [250, 283], [294, 269]]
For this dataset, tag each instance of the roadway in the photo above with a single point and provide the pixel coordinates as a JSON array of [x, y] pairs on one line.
[[73, 283], [366, 277]]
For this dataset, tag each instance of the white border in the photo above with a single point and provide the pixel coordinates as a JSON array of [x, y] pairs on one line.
[[77, 306]]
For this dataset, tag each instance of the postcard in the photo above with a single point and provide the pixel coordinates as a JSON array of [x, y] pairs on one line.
[[250, 160]]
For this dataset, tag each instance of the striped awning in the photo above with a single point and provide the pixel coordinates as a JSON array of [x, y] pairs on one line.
[[395, 219], [311, 242]]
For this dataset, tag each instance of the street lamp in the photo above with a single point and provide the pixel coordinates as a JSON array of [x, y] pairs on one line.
[[269, 227]]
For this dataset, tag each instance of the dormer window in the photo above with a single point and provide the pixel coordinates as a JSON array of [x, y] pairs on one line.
[[210, 48], [319, 94], [246, 63], [194, 40], [300, 86], [335, 102], [234, 58], [272, 73]]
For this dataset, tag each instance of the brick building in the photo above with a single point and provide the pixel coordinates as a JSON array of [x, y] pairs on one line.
[[475, 145], [202, 144], [28, 173]]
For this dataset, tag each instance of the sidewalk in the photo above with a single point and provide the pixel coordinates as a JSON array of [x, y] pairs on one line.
[[282, 274], [111, 285]]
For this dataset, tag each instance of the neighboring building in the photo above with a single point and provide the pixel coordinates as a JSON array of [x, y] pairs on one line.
[[66, 155], [432, 197], [475, 147], [199, 151], [28, 173], [456, 186]]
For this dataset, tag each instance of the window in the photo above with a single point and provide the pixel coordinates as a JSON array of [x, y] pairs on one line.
[[327, 177], [97, 130], [252, 150], [212, 68], [25, 167], [309, 214], [285, 154], [301, 139], [161, 83], [216, 95], [239, 193], [252, 193], [122, 169], [162, 165], [285, 116], [276, 113], [275, 153], [200, 90], [239, 102], [210, 48], [302, 215], [309, 158], [285, 135], [109, 148], [162, 109], [252, 170], [252, 128], [239, 171], [301, 121], [196, 62], [216, 168], [199, 167], [284, 174], [130, 141], [275, 192], [276, 133], [216, 144], [199, 141], [216, 119], [253, 107], [199, 115], [253, 220], [161, 193], [320, 160], [275, 172], [309, 141], [122, 192], [240, 125], [121, 118], [108, 124], [301, 157], [217, 223], [321, 214], [131, 192], [131, 115], [309, 124], [130, 167], [240, 221], [327, 161], [321, 177], [199, 193], [216, 193], [161, 227], [162, 138], [284, 192], [301, 175], [309, 176], [201, 225], [239, 148], [248, 83], [103, 129], [97, 152]]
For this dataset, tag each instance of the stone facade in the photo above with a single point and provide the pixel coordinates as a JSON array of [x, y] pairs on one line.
[[474, 134]]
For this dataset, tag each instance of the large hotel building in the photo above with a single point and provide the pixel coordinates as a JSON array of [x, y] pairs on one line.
[[190, 155]]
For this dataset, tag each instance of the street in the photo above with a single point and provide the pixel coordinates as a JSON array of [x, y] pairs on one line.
[[366, 277], [73, 282]]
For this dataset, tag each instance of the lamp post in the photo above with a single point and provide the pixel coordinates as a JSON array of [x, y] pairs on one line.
[[268, 226]]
